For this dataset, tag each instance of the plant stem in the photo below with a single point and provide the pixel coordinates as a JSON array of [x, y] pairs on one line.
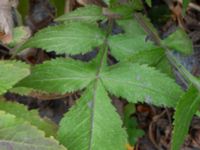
[[172, 59]]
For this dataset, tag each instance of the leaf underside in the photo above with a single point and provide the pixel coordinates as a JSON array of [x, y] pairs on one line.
[[15, 134]]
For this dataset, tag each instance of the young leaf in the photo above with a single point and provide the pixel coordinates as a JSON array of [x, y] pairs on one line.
[[185, 109], [32, 116], [179, 41], [10, 73], [141, 83], [19, 135], [72, 38], [89, 13], [60, 76], [96, 125]]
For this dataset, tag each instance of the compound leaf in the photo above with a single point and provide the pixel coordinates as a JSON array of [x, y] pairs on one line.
[[89, 13], [96, 125], [72, 38], [10, 73], [18, 135], [32, 116], [185, 109], [60, 76], [140, 83]]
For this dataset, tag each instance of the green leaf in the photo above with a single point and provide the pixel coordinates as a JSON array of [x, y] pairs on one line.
[[96, 125], [165, 67], [137, 5], [125, 11], [131, 27], [10, 73], [20, 34], [72, 38], [134, 46], [16, 134], [60, 76], [23, 91], [149, 3], [89, 13], [124, 47], [179, 41], [185, 5], [140, 83], [151, 57], [143, 53], [185, 109], [32, 116], [59, 5], [131, 124]]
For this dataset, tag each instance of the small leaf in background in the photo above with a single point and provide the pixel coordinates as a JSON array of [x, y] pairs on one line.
[[125, 11], [89, 13], [137, 5], [72, 38], [19, 135], [59, 5], [96, 126], [32, 116], [11, 72], [60, 76], [185, 5], [149, 3], [131, 27], [20, 34], [23, 8], [187, 106], [179, 41], [131, 124], [140, 83]]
